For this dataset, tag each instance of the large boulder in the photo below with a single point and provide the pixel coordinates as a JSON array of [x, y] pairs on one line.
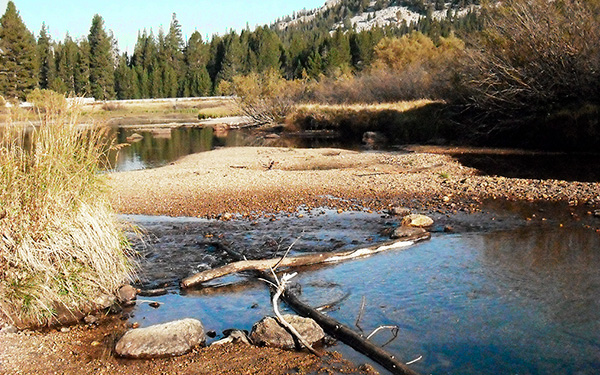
[[268, 332], [417, 220], [162, 340]]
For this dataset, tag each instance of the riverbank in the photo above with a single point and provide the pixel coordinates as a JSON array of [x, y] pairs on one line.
[[253, 182], [88, 350], [250, 182]]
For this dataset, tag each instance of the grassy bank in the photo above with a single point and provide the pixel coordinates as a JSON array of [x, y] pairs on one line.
[[401, 122], [61, 246], [139, 112]]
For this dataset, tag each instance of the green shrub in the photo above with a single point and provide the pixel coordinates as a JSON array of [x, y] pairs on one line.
[[60, 244]]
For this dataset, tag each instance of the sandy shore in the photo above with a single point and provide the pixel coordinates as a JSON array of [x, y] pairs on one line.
[[252, 181]]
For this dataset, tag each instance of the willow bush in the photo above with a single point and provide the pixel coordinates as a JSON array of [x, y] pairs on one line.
[[267, 98], [536, 55], [61, 245]]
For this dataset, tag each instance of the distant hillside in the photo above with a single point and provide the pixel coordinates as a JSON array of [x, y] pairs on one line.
[[366, 14]]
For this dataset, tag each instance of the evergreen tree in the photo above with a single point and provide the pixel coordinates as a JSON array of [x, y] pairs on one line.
[[143, 80], [145, 51], [231, 63], [18, 61], [197, 81], [174, 65], [46, 58], [101, 59], [66, 57], [124, 84], [82, 71], [267, 46]]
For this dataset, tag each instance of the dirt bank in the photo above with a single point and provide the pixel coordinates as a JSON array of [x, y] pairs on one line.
[[82, 350]]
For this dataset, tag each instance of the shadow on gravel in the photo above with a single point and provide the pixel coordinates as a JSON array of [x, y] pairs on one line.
[[568, 167]]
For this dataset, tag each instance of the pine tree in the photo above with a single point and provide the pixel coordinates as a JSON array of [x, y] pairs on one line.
[[18, 61], [174, 67], [231, 63], [46, 58], [266, 46], [197, 81], [101, 61], [81, 72], [124, 83]]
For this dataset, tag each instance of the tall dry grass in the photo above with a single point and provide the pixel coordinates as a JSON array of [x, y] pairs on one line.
[[61, 245]]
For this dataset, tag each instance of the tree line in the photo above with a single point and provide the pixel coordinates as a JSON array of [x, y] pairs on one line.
[[166, 65]]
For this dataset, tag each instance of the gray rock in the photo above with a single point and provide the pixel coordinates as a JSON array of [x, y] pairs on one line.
[[105, 301], [235, 336], [268, 332], [399, 211], [597, 213], [403, 232], [374, 140], [162, 340], [127, 295], [417, 220]]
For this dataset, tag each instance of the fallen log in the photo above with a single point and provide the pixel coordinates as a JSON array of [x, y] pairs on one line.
[[304, 260], [348, 336], [331, 326]]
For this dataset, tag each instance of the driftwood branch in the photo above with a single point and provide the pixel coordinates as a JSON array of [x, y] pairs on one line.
[[280, 288], [305, 260], [344, 334]]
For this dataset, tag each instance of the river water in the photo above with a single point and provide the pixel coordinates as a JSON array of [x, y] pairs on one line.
[[513, 290], [155, 147], [503, 295]]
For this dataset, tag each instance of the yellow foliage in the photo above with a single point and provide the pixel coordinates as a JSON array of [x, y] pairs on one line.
[[267, 97], [398, 54]]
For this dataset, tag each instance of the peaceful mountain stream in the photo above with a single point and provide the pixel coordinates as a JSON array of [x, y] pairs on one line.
[[500, 296]]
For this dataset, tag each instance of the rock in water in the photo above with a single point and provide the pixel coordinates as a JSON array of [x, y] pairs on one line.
[[416, 220], [268, 332], [403, 232], [162, 340], [127, 295]]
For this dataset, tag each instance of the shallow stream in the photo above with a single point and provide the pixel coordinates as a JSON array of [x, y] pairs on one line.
[[500, 295]]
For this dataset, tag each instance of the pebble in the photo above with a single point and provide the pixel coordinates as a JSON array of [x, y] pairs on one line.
[[90, 319]]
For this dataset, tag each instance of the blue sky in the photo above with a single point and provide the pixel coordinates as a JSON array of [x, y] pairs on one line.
[[126, 17]]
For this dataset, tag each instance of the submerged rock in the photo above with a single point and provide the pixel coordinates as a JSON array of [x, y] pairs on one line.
[[417, 220], [268, 332], [162, 340], [403, 232]]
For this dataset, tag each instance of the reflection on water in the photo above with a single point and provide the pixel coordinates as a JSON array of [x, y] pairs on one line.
[[155, 147], [518, 301], [569, 167]]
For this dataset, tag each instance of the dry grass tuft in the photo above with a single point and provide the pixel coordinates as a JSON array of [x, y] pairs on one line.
[[60, 243]]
